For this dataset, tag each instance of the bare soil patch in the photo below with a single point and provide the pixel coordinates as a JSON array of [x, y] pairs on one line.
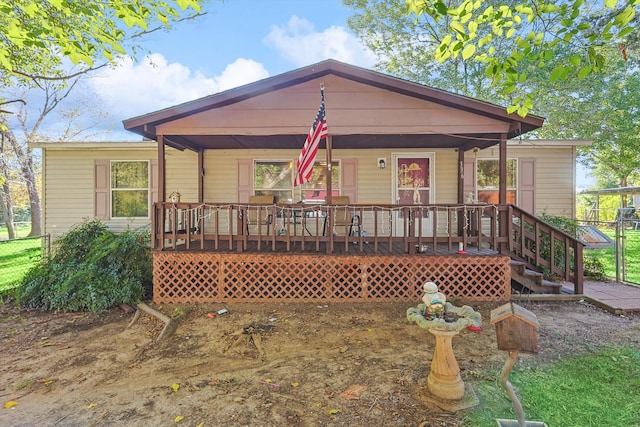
[[260, 365]]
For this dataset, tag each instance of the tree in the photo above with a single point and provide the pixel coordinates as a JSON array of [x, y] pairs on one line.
[[600, 106], [536, 32], [40, 38], [406, 46], [84, 32]]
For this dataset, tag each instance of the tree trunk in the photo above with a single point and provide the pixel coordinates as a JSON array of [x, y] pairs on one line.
[[34, 198], [6, 206], [25, 158]]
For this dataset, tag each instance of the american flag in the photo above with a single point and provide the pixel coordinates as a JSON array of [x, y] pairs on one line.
[[307, 157]]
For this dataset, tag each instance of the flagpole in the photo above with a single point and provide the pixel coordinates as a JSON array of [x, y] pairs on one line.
[[327, 142], [329, 177]]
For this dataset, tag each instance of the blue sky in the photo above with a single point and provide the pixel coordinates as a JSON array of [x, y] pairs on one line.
[[235, 43]]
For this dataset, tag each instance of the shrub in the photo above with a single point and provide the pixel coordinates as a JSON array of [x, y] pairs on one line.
[[594, 267], [90, 269]]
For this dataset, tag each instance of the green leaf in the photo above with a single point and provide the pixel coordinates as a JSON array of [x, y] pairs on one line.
[[523, 111], [458, 27], [468, 51], [584, 71], [610, 3], [625, 31], [624, 17], [575, 60], [557, 73]]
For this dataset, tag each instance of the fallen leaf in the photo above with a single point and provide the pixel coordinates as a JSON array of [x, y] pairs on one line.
[[200, 425], [178, 419], [353, 392], [295, 384], [334, 411], [175, 387], [92, 405], [10, 404]]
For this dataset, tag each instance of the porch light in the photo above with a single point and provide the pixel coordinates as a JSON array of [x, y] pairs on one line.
[[382, 162]]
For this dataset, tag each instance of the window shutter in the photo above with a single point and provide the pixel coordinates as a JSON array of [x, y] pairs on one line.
[[527, 184], [350, 179], [245, 180], [469, 181], [102, 187], [154, 187]]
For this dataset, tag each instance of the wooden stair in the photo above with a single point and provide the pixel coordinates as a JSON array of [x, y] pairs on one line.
[[532, 280]]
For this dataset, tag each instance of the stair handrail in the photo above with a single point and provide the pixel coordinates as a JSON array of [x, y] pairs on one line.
[[526, 242]]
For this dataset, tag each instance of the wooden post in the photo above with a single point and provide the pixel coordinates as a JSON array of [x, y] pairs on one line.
[[502, 186], [201, 176], [461, 173]]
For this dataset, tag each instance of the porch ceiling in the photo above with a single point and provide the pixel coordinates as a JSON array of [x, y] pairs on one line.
[[397, 141], [208, 123]]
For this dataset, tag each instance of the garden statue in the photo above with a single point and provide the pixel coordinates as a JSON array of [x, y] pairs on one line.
[[444, 321], [434, 301]]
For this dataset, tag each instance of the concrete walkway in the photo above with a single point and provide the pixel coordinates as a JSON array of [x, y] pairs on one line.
[[616, 297], [613, 296]]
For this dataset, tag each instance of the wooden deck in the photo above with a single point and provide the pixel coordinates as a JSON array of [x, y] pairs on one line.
[[208, 253]]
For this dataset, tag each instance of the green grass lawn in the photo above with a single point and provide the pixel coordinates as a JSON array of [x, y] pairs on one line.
[[632, 255], [16, 257], [599, 389], [22, 230]]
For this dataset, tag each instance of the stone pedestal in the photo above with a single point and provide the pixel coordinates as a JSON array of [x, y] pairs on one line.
[[444, 380]]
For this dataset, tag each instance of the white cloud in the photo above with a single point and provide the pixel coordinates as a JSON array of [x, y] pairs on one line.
[[301, 44], [241, 72], [133, 89]]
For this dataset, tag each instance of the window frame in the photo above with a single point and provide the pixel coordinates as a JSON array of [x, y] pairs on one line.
[[113, 190], [297, 193], [257, 191], [496, 190]]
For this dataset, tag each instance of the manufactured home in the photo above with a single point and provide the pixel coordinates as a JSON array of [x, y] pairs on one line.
[[413, 184]]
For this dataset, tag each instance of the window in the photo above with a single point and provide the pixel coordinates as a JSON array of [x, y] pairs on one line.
[[129, 189], [274, 178], [316, 189], [488, 173]]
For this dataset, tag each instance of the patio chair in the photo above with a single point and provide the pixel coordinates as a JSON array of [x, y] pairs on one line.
[[343, 217], [628, 216], [257, 216]]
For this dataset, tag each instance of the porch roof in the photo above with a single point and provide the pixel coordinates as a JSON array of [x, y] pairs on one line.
[[202, 124]]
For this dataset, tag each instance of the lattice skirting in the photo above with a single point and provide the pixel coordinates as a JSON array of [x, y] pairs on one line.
[[202, 277]]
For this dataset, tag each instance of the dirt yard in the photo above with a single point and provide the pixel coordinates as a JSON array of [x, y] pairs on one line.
[[259, 365]]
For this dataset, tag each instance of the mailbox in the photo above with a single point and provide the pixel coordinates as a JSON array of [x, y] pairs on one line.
[[516, 328]]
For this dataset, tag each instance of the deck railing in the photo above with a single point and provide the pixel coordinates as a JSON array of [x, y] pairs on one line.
[[545, 248], [371, 229]]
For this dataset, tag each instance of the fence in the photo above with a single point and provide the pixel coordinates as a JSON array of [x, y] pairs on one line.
[[17, 256], [621, 259]]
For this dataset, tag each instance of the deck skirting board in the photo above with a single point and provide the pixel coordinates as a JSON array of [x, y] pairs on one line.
[[206, 277]]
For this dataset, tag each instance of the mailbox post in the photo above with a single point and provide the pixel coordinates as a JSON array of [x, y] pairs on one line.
[[516, 331]]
